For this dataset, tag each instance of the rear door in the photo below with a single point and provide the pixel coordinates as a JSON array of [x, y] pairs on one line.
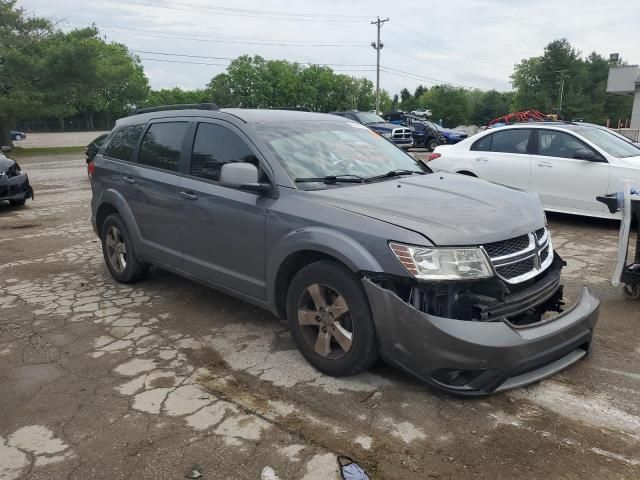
[[504, 157], [153, 192], [223, 228], [562, 181]]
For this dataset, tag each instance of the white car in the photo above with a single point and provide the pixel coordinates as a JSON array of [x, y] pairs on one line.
[[421, 113], [568, 165]]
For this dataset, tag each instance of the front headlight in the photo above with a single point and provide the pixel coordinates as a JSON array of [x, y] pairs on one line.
[[431, 263], [386, 134]]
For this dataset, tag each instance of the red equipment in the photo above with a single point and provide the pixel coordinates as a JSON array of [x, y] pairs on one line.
[[524, 116]]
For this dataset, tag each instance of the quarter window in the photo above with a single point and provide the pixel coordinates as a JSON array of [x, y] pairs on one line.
[[214, 146], [161, 145], [124, 142], [511, 141], [553, 143]]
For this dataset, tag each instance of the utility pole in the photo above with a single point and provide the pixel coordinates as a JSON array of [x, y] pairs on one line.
[[377, 45], [562, 74]]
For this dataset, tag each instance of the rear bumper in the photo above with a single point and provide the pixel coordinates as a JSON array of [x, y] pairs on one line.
[[479, 358]]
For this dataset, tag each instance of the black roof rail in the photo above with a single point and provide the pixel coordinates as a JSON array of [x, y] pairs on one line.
[[180, 106]]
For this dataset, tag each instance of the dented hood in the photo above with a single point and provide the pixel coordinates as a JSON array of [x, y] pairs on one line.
[[448, 209]]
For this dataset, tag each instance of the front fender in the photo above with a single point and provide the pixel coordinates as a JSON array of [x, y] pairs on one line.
[[324, 240]]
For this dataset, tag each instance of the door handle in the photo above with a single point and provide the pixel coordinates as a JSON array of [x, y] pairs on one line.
[[188, 195], [129, 179], [482, 159], [545, 165]]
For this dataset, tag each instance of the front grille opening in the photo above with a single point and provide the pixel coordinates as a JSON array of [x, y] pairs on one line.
[[516, 269], [540, 233], [507, 247]]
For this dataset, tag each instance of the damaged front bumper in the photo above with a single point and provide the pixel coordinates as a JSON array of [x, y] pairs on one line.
[[15, 187], [479, 357]]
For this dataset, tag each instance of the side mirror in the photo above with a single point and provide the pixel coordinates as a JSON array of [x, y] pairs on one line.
[[585, 154], [243, 176], [6, 148]]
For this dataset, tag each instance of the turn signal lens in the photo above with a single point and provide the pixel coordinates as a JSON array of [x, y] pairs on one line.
[[433, 156]]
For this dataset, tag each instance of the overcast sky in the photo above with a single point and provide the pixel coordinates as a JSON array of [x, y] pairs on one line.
[[472, 43]]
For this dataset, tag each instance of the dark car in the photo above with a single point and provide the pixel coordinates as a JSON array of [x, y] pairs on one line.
[[452, 136], [16, 135], [399, 135], [14, 183], [360, 247], [92, 150], [424, 132]]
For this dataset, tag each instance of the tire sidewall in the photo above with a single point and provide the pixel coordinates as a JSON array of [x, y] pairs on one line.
[[363, 351], [432, 144], [115, 220]]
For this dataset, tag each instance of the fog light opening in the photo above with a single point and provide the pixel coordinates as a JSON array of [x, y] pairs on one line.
[[455, 378]]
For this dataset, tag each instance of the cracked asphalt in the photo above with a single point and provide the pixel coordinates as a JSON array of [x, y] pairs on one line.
[[102, 380]]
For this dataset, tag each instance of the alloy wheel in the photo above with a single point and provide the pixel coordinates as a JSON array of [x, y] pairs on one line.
[[116, 249], [325, 321]]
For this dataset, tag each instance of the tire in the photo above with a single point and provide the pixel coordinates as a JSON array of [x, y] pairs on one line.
[[338, 324], [432, 144], [18, 203], [119, 253]]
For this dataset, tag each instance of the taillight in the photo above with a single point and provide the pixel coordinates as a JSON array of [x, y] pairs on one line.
[[90, 168], [433, 156]]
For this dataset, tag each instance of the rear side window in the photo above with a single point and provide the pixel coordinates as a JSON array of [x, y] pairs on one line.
[[162, 144], [214, 146], [124, 142], [511, 141], [483, 145]]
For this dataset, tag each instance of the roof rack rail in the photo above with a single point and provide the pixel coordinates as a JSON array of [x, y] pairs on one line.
[[180, 106]]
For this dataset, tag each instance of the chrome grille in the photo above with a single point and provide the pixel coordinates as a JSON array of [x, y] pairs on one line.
[[516, 269], [507, 247], [401, 133], [521, 258]]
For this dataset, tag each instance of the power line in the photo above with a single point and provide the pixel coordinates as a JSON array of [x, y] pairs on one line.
[[191, 62], [238, 12], [170, 54], [233, 42], [191, 36], [415, 76]]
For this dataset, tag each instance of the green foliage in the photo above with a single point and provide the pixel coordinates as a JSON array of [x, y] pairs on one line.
[[253, 82], [537, 85], [51, 74]]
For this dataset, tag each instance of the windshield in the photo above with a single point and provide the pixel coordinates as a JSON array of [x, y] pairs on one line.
[[366, 118], [317, 149], [609, 142]]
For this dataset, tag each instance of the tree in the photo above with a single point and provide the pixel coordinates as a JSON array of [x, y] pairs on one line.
[[449, 104]]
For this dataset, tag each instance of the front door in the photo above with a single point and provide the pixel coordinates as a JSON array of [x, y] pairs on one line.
[[563, 182], [223, 228]]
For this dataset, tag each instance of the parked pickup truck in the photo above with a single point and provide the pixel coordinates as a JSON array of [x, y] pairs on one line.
[[399, 135]]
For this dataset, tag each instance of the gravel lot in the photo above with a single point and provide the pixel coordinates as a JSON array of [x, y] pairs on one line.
[[101, 380]]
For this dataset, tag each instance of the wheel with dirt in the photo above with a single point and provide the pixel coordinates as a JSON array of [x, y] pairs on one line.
[[432, 144], [330, 319], [18, 203], [119, 253]]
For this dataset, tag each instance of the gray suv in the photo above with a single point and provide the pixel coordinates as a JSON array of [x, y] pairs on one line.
[[363, 249]]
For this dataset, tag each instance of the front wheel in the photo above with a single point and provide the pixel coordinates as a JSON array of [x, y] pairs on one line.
[[432, 144], [330, 319]]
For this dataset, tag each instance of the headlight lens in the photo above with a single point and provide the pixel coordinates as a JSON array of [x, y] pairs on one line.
[[386, 134], [430, 263]]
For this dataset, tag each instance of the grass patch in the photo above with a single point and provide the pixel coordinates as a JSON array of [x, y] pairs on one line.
[[27, 152]]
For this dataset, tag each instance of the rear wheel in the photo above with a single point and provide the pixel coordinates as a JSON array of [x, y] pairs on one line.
[[119, 253], [330, 319], [432, 144]]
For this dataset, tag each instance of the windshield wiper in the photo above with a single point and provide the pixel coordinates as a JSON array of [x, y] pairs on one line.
[[332, 179], [394, 173]]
